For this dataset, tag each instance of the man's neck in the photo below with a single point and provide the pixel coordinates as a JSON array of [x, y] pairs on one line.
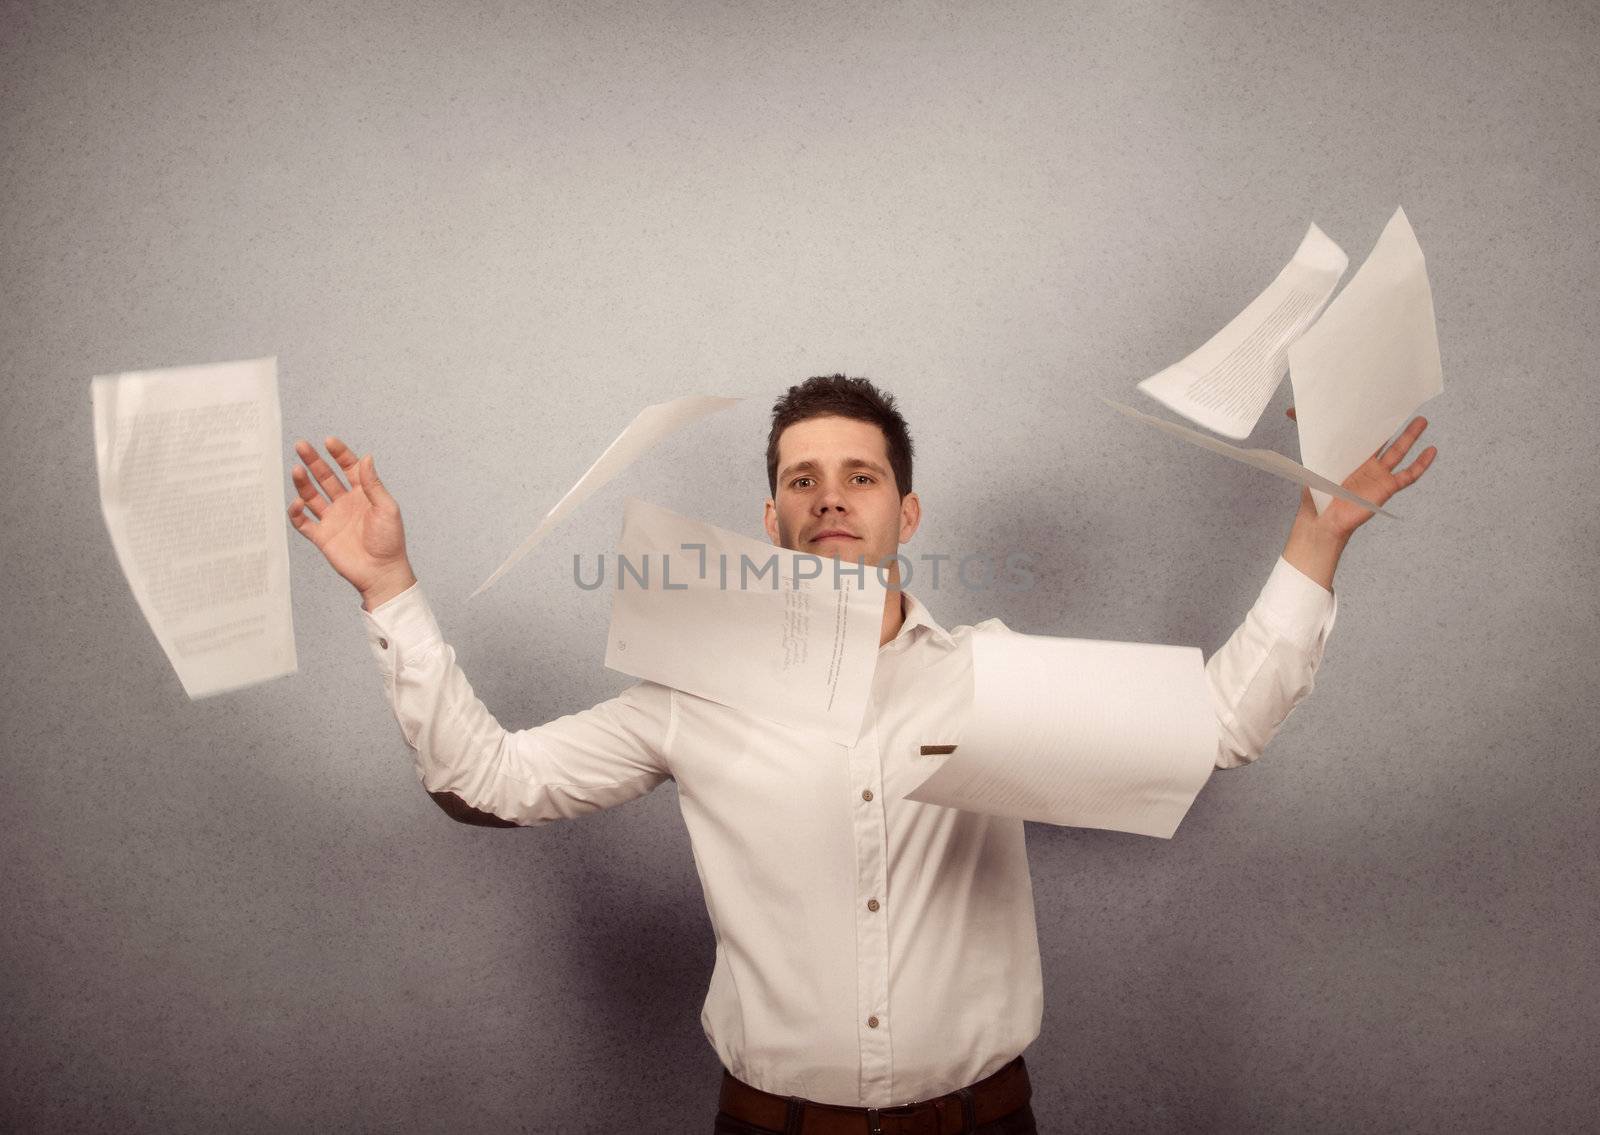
[[894, 615]]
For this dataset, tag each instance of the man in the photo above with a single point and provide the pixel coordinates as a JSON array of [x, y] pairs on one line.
[[877, 965]]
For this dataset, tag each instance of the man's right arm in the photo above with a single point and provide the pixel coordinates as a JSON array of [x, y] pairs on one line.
[[475, 770], [480, 772], [451, 804]]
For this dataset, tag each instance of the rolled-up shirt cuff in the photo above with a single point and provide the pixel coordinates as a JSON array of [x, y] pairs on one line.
[[1297, 606], [401, 627]]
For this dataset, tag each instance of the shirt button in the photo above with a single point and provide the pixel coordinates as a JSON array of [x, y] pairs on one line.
[[866, 794], [872, 904], [872, 1022], [383, 644]]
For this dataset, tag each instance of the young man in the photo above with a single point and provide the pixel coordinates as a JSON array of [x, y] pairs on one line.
[[877, 964]]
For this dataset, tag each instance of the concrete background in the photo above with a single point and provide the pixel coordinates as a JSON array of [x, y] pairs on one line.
[[479, 236]]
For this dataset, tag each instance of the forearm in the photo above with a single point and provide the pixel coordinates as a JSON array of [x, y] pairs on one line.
[[1267, 666], [459, 746], [568, 767], [1314, 552], [455, 741]]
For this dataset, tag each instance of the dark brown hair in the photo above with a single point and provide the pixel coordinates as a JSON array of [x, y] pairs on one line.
[[836, 395]]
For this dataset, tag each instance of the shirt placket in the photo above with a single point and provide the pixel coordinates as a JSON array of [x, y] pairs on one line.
[[873, 1017]]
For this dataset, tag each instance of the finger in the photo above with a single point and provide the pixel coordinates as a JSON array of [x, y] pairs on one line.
[[320, 469], [1402, 444], [310, 498], [1290, 412], [371, 484], [1413, 472], [302, 523], [340, 452]]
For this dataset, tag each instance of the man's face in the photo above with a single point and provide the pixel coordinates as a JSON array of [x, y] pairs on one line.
[[834, 477]]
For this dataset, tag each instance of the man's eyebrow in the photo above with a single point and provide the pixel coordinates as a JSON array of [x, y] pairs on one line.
[[808, 466]]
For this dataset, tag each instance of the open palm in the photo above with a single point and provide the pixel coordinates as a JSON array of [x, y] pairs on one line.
[[358, 529], [1376, 479]]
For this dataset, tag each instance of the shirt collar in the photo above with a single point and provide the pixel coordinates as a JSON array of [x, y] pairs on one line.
[[918, 615]]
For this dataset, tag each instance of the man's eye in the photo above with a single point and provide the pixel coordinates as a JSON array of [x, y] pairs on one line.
[[795, 484], [865, 477]]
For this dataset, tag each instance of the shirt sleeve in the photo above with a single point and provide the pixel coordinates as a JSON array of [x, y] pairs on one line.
[[576, 764], [1266, 668]]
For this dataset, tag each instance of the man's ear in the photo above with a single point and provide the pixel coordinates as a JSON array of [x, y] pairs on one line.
[[769, 520], [910, 516]]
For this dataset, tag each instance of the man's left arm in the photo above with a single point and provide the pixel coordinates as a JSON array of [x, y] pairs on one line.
[[1266, 668]]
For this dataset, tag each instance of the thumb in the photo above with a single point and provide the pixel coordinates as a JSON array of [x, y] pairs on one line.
[[371, 485]]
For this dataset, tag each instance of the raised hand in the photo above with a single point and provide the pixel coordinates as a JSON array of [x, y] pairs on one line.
[[1317, 540], [1376, 479], [358, 529]]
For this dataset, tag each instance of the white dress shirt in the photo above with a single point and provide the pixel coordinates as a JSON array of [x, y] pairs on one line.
[[870, 950]]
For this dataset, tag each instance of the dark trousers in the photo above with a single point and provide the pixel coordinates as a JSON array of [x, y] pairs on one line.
[[1017, 1123]]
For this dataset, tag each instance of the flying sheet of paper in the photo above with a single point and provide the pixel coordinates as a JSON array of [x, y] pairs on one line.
[[1226, 384], [1369, 362], [192, 489], [744, 623], [648, 427], [1263, 459], [1118, 735]]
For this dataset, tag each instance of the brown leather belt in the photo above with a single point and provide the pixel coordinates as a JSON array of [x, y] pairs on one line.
[[984, 1102]]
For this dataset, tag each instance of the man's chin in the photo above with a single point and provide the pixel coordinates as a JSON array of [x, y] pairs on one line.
[[849, 551]]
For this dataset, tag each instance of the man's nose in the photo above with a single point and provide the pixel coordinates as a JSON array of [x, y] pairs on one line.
[[830, 498]]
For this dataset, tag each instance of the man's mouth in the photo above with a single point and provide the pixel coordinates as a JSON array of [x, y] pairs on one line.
[[832, 536]]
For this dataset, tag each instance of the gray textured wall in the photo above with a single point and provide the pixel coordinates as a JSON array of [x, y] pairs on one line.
[[478, 236]]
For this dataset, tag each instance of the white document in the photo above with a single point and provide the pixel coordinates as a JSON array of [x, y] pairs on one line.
[[191, 486], [1118, 735], [1226, 384], [647, 428], [1264, 459], [744, 623], [1369, 362]]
